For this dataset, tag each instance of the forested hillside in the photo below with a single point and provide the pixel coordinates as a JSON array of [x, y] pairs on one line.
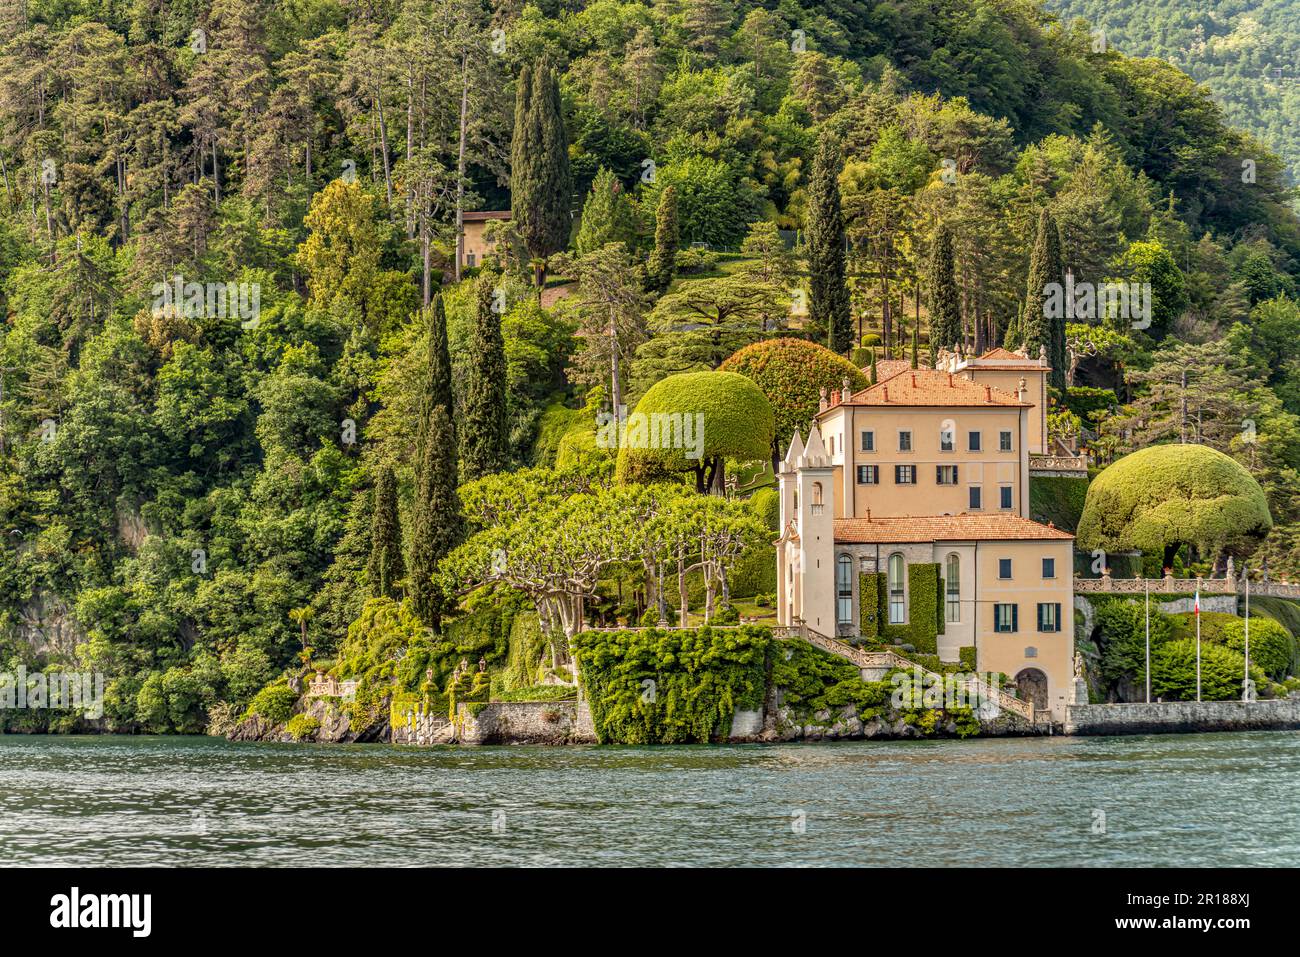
[[1247, 54], [243, 377]]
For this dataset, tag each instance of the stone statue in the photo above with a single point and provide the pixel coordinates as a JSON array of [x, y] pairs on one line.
[[1078, 666], [482, 665]]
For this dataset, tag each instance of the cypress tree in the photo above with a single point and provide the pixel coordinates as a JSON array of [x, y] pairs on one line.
[[1011, 338], [663, 258], [916, 345], [828, 302], [872, 375], [435, 518], [484, 439], [385, 568], [541, 183], [1037, 329], [944, 303]]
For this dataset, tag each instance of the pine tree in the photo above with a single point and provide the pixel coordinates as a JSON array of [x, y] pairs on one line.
[[663, 259], [484, 439], [435, 517], [828, 302], [607, 215], [541, 183], [386, 567], [1038, 330], [944, 303]]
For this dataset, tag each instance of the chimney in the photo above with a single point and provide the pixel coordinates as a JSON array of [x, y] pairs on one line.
[[868, 513], [913, 380], [823, 404], [950, 382], [988, 394], [885, 389]]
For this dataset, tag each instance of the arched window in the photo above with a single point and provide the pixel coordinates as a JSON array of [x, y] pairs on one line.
[[817, 493], [897, 606], [844, 590], [952, 586]]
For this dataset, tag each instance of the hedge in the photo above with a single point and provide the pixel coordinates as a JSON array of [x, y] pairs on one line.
[[1166, 495], [871, 588], [671, 686]]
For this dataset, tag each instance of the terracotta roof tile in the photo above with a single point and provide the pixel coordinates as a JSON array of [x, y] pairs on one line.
[[927, 387], [944, 528], [1000, 353], [888, 368]]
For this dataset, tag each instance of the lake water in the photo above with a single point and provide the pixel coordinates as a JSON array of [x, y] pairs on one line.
[[1213, 799]]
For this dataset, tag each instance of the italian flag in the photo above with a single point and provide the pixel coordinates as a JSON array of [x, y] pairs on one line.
[[1196, 607]]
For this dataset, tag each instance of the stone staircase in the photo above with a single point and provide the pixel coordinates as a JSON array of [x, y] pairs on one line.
[[885, 661]]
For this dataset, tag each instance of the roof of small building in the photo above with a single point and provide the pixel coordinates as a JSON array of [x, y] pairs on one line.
[[964, 527], [479, 215], [929, 387], [888, 368]]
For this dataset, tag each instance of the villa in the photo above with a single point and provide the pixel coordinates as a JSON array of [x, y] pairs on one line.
[[905, 520]]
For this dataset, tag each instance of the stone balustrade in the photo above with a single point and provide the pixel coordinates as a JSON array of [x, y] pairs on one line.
[[1177, 586]]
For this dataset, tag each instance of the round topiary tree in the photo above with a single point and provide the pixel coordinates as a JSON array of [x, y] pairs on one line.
[[1163, 497], [792, 373], [695, 422]]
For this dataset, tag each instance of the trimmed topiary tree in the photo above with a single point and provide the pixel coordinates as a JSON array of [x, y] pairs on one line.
[[695, 422], [792, 373], [1160, 498]]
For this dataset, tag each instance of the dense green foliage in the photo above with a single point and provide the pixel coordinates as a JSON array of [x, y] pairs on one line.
[[187, 492], [1159, 498], [1058, 500], [672, 686], [792, 373], [737, 426]]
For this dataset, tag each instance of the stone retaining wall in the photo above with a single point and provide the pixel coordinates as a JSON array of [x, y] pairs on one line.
[[525, 722], [1183, 717]]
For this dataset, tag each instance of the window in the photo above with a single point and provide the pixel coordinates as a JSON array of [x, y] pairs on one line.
[[868, 441], [844, 590], [976, 497], [816, 503], [973, 442], [952, 587], [832, 445], [868, 474], [469, 260], [1004, 440], [1005, 618], [904, 475], [1005, 493], [904, 441], [1049, 567], [945, 474], [1004, 568], [1049, 616], [897, 607], [945, 440]]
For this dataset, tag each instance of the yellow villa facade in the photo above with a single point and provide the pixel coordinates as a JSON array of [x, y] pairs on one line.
[[932, 467]]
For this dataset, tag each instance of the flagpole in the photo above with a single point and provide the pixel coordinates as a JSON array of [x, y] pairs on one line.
[[1198, 642], [1147, 583], [1245, 685]]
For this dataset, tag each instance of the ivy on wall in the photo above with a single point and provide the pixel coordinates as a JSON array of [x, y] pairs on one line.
[[672, 686], [871, 590]]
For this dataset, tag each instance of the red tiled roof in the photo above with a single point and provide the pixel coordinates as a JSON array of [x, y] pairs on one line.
[[927, 387], [888, 368], [1000, 353], [944, 528]]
